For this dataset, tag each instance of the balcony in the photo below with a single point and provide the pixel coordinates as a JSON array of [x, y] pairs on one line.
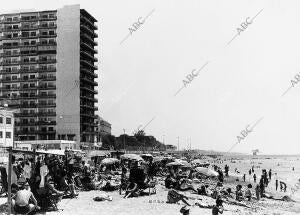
[[10, 46], [89, 98], [11, 21], [85, 36], [89, 107], [88, 115], [47, 61], [9, 63], [47, 26], [86, 54], [88, 89], [10, 54], [44, 18], [46, 96], [41, 105], [47, 70], [89, 22], [47, 44], [87, 46], [52, 87], [47, 35], [88, 63], [88, 71], [88, 30], [26, 27], [29, 19], [90, 81]]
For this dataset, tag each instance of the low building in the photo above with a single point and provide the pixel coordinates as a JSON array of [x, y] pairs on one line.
[[171, 148], [103, 128], [45, 144], [7, 124]]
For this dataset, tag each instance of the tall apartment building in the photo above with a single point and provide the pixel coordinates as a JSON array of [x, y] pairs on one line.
[[47, 73]]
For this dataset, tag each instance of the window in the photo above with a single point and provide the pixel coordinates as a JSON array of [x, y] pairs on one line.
[[8, 120], [1, 134], [8, 134], [1, 120], [32, 76]]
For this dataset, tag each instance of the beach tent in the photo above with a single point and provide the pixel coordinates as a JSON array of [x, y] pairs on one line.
[[109, 161], [206, 171], [132, 157]]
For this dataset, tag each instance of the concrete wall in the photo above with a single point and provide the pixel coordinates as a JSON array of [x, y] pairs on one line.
[[68, 71]]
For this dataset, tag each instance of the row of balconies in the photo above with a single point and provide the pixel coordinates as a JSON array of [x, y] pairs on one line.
[[27, 62], [40, 95], [41, 78], [41, 113], [18, 45], [28, 88], [23, 19], [28, 45], [33, 105], [26, 27], [38, 131], [27, 71], [30, 123]]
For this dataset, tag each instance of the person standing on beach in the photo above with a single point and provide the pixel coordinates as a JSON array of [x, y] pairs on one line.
[[226, 170], [257, 191], [254, 177], [249, 171], [252, 168], [244, 177], [262, 187], [270, 174], [218, 208], [276, 184]]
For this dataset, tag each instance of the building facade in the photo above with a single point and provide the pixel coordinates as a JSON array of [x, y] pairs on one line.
[[103, 128], [47, 72], [6, 127]]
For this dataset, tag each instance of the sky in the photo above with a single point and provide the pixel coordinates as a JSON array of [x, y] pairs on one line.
[[235, 100]]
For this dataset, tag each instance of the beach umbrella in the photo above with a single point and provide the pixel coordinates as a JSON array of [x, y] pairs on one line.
[[158, 159], [174, 163], [206, 171], [109, 161], [146, 155], [132, 157], [183, 162]]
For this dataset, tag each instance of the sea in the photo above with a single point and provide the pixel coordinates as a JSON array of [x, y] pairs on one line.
[[281, 164]]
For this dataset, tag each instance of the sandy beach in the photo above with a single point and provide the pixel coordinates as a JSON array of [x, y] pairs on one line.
[[156, 203]]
